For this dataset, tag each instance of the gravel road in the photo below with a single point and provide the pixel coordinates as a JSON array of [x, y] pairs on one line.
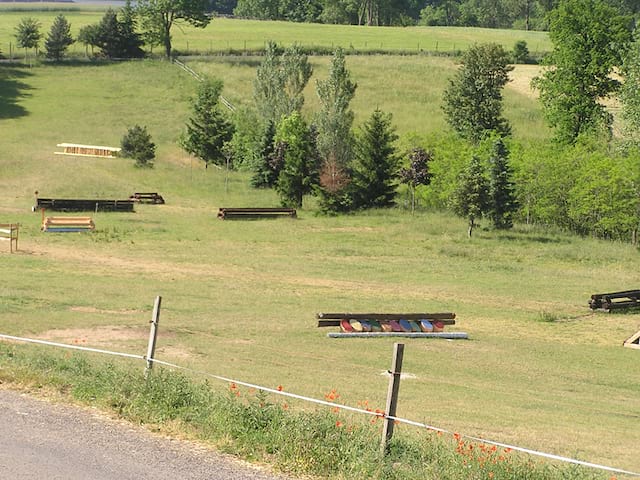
[[46, 440]]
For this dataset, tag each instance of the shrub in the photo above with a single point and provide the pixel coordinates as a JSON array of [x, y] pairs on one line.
[[137, 144]]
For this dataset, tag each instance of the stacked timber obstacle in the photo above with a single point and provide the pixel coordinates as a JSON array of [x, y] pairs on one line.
[[9, 232], [80, 205], [615, 300], [225, 213], [87, 150], [147, 197], [67, 224], [412, 325]]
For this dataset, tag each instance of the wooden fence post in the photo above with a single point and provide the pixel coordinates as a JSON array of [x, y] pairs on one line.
[[153, 333], [392, 396]]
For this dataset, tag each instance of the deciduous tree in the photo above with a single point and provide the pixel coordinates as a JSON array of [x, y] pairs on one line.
[[160, 16], [473, 100], [471, 199], [417, 173], [28, 34], [589, 39]]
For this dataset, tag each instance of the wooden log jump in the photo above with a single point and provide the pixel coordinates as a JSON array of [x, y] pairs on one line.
[[225, 213], [147, 197], [67, 224], [80, 205], [411, 325], [615, 300], [88, 150], [9, 232]]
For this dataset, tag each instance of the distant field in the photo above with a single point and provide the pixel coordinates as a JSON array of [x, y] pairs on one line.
[[225, 34], [239, 298]]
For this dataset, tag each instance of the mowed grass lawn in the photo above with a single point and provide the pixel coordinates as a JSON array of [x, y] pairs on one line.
[[240, 298]]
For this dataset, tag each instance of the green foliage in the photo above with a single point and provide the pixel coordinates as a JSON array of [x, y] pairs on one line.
[[159, 17], [267, 166], [246, 141], [207, 131], [630, 91], [375, 169], [299, 170], [503, 204], [280, 81], [137, 144], [589, 38], [28, 33], [115, 37], [58, 39], [334, 122], [472, 198], [472, 102], [520, 53]]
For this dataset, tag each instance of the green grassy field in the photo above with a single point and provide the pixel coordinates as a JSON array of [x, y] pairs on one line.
[[224, 34], [239, 298]]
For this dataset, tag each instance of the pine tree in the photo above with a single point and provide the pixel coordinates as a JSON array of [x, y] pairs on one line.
[[501, 188], [265, 172], [207, 131], [59, 38], [375, 169], [137, 144], [471, 199]]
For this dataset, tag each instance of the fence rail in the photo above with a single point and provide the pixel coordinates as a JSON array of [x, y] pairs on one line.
[[198, 77]]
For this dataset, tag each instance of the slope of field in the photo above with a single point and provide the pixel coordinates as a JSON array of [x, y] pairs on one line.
[[239, 298]]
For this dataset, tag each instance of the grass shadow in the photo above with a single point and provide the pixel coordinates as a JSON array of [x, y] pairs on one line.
[[12, 89]]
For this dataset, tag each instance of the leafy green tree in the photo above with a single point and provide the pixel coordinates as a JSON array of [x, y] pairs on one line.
[[471, 199], [59, 38], [266, 170], [417, 173], [473, 100], [89, 35], [300, 169], [375, 168], [334, 122], [520, 53], [207, 131], [160, 16], [28, 34], [589, 39], [501, 188], [630, 91], [137, 144], [280, 81]]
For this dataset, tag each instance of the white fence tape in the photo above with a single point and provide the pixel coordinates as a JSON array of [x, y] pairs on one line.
[[333, 405]]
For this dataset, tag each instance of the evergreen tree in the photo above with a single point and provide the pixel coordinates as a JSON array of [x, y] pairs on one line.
[[473, 100], [501, 188], [471, 199], [137, 144], [108, 35], [589, 39], [417, 173], [131, 42], [59, 38], [300, 169], [375, 168], [265, 171], [208, 130], [335, 139]]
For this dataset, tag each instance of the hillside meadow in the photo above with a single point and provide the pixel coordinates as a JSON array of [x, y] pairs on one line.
[[540, 370], [225, 34]]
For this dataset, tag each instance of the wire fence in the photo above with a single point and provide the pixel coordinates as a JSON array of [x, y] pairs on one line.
[[198, 77], [278, 391]]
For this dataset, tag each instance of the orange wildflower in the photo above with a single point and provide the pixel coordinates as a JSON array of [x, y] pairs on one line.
[[279, 388]]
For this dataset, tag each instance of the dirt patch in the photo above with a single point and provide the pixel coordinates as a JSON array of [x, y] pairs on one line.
[[521, 77], [97, 335], [110, 312]]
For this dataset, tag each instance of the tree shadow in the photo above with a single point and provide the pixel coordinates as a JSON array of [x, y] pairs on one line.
[[12, 89]]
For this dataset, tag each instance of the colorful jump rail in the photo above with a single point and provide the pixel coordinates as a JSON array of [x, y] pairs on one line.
[[67, 224], [9, 232], [408, 325], [88, 150]]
